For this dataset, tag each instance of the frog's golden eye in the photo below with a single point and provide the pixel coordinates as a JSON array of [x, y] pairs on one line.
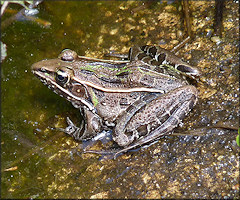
[[62, 77]]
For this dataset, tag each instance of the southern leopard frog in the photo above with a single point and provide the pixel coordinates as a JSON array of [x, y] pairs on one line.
[[139, 99]]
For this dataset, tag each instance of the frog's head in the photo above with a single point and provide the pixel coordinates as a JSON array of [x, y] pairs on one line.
[[58, 75]]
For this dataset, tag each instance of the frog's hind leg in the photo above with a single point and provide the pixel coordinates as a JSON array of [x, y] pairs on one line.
[[166, 112]]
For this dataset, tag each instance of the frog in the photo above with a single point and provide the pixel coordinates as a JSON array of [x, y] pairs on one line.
[[138, 99]]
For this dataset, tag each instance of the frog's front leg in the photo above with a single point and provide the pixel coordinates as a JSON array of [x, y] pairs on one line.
[[141, 124], [93, 126]]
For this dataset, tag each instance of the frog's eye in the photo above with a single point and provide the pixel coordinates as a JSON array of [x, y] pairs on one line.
[[62, 77], [68, 55]]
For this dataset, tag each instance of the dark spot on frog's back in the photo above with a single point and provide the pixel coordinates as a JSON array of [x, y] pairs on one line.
[[152, 51], [87, 72], [114, 80], [161, 57], [140, 56], [158, 60], [184, 68], [158, 68], [123, 74]]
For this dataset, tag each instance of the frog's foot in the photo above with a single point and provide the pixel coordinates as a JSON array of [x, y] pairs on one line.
[[73, 130]]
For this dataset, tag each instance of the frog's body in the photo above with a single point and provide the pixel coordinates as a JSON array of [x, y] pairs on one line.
[[139, 99]]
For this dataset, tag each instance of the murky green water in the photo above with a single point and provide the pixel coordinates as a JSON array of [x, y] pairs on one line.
[[38, 162]]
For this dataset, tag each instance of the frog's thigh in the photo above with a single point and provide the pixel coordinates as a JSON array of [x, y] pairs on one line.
[[160, 116]]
